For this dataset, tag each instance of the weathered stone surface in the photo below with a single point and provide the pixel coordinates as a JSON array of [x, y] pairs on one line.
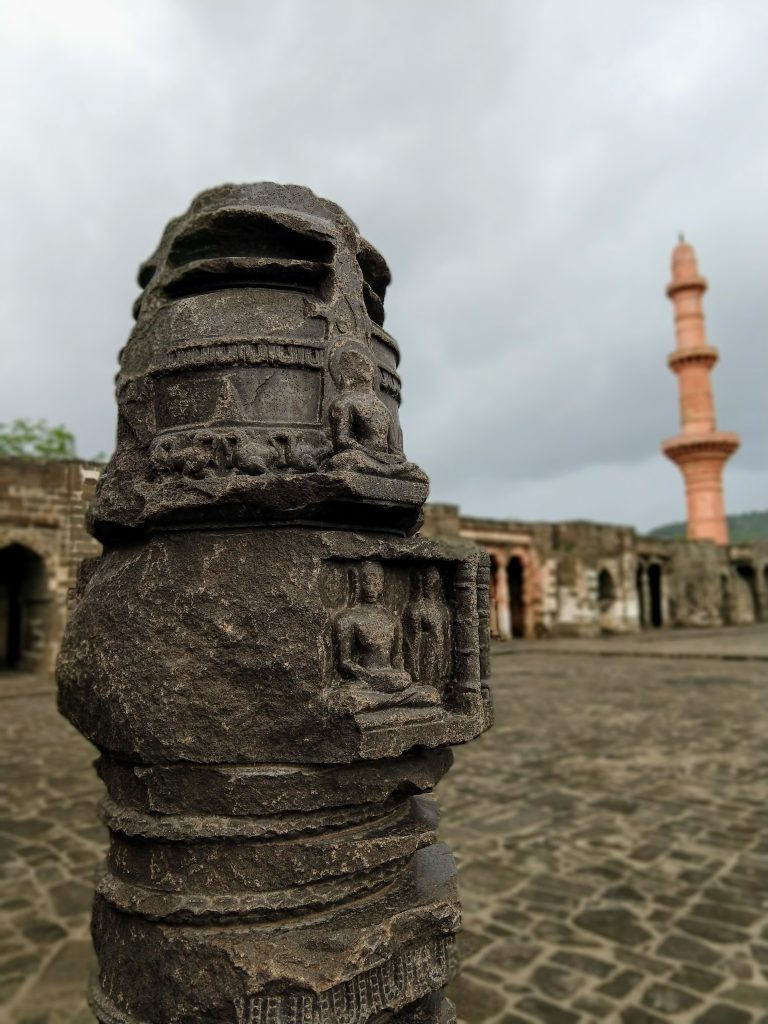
[[270, 664], [259, 382], [263, 626]]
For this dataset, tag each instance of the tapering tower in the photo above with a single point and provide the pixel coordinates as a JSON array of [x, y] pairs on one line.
[[700, 449]]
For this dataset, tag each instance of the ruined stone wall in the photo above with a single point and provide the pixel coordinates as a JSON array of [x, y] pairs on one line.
[[42, 542], [589, 578], [747, 587], [698, 583], [441, 521], [596, 578], [578, 578], [42, 508], [711, 585]]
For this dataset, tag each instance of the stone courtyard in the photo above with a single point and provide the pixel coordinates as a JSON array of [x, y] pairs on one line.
[[611, 833]]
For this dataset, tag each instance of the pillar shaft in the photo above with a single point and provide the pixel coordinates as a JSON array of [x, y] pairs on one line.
[[503, 610], [271, 664]]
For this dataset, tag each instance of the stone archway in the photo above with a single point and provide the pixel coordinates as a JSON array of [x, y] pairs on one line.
[[514, 590], [746, 604], [606, 601], [25, 609], [641, 584], [655, 596]]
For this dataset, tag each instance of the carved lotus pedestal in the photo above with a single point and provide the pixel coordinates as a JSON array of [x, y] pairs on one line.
[[271, 666]]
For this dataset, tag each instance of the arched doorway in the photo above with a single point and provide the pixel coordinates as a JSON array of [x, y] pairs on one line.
[[642, 611], [24, 608], [606, 599], [515, 582], [746, 609], [656, 609]]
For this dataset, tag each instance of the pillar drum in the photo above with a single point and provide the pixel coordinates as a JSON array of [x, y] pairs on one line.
[[271, 664]]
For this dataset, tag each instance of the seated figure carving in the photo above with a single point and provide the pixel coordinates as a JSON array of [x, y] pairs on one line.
[[364, 434], [369, 652]]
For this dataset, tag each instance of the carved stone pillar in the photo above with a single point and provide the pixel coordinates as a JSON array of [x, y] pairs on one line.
[[271, 664]]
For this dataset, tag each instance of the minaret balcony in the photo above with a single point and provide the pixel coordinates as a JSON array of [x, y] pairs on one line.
[[706, 354], [718, 444], [696, 283]]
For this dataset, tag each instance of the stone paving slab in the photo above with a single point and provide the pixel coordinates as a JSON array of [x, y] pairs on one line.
[[612, 837], [611, 834]]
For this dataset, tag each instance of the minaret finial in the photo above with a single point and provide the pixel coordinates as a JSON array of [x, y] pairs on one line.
[[680, 237]]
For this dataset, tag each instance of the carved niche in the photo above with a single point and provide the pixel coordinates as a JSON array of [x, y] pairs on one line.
[[407, 634]]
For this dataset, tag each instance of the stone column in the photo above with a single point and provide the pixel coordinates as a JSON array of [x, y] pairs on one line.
[[503, 614], [271, 664]]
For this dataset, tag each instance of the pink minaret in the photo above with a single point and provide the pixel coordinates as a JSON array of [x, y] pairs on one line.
[[700, 450]]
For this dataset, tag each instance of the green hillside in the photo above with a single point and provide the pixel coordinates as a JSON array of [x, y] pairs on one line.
[[742, 529]]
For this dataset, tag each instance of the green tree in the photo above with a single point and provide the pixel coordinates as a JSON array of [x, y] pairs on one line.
[[36, 439]]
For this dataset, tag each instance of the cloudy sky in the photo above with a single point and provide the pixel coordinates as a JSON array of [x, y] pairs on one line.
[[524, 165]]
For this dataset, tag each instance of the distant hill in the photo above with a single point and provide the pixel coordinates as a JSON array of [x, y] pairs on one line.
[[742, 529]]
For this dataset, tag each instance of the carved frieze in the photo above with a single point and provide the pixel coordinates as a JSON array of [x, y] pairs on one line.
[[261, 310]]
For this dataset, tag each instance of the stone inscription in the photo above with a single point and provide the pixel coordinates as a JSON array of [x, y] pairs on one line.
[[406, 977]]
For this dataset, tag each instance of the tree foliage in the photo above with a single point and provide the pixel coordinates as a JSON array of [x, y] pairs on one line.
[[743, 528], [36, 439]]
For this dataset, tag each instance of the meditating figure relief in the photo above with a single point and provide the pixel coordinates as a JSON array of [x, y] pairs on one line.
[[364, 434], [369, 649]]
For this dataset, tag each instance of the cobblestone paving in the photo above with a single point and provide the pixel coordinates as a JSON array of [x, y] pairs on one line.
[[612, 836], [611, 833]]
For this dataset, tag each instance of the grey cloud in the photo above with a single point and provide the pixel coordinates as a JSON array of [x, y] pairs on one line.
[[523, 167]]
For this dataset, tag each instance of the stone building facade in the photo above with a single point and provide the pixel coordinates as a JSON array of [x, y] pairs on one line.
[[582, 578], [42, 542], [571, 578]]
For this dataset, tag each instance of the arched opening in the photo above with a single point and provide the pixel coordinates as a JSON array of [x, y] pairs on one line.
[[606, 599], [515, 580], [746, 600], [656, 611], [24, 608], [606, 590], [642, 611]]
